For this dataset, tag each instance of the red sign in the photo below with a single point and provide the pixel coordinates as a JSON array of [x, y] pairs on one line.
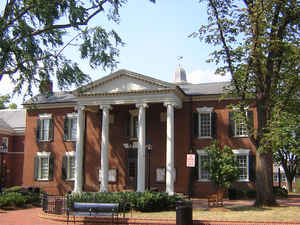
[[190, 160]]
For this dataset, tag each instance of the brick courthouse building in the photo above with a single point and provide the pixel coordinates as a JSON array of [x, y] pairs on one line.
[[130, 131]]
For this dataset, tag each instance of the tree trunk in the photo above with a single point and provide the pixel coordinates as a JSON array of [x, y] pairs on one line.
[[290, 185], [264, 179]]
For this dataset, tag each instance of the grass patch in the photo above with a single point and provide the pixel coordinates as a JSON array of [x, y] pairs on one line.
[[233, 213]]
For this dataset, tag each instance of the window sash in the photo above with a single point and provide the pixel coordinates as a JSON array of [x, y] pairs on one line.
[[44, 168], [203, 171], [243, 166], [45, 130], [71, 168], [205, 124], [72, 126]]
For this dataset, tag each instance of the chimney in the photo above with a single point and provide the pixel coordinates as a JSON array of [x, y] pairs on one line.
[[46, 87]]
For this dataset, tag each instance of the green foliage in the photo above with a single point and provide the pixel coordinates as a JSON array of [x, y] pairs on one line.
[[145, 202], [4, 99], [12, 199], [34, 34], [221, 166], [234, 193], [257, 43], [298, 185], [280, 192], [13, 189]]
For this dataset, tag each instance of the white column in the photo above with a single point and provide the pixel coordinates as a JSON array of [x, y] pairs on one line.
[[104, 148], [170, 149], [79, 149], [141, 148]]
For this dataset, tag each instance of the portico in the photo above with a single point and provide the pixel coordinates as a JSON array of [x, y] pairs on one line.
[[127, 88]]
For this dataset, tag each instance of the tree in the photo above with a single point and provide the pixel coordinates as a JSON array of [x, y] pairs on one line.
[[221, 166], [34, 34], [286, 144], [4, 99], [257, 42]]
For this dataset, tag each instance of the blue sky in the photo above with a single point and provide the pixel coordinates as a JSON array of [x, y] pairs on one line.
[[155, 35]]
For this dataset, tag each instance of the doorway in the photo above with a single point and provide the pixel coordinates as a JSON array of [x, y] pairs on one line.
[[132, 169]]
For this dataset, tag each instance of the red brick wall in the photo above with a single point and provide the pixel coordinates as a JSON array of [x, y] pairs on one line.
[[14, 162], [58, 149], [155, 131]]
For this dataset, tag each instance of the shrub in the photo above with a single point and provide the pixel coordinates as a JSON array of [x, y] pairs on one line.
[[13, 189], [251, 193], [12, 199], [145, 202], [234, 193], [280, 192]]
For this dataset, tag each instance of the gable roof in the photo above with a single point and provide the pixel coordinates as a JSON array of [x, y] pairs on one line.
[[118, 82], [12, 121], [214, 88], [111, 84]]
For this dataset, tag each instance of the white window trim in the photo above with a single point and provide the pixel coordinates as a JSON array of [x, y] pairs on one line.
[[71, 116], [203, 110], [235, 123], [70, 154], [200, 153], [244, 152], [6, 143], [45, 116], [43, 155]]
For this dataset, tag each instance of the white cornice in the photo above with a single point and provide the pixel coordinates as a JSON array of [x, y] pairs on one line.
[[51, 106]]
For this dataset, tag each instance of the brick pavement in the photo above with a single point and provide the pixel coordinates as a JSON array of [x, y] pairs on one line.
[[32, 216]]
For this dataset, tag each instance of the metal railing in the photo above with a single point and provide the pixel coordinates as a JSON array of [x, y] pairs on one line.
[[54, 204]]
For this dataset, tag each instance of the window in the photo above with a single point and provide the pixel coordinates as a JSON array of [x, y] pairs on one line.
[[132, 124], [203, 160], [68, 166], [204, 122], [4, 144], [70, 127], [112, 175], [238, 126], [45, 128], [242, 160], [282, 176], [43, 166]]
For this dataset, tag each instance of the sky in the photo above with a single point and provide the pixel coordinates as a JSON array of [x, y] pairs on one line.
[[155, 35]]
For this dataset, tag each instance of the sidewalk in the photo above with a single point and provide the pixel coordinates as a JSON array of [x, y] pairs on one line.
[[32, 216]]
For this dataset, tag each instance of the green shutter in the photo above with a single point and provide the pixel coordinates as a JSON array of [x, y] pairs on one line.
[[51, 167], [36, 167], [51, 130], [64, 167], [213, 125], [195, 128], [66, 129], [250, 121], [196, 168], [231, 125], [252, 167], [38, 129]]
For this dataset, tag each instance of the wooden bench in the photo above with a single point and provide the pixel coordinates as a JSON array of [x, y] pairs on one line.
[[94, 209], [216, 199]]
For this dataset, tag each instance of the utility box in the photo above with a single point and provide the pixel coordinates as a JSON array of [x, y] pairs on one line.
[[184, 213]]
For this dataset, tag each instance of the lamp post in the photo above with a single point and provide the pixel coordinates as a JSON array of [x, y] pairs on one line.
[[3, 150], [149, 149]]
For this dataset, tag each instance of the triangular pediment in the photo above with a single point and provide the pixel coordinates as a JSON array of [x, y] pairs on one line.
[[124, 81]]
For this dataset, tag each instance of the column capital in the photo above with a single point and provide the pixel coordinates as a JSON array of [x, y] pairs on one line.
[[174, 104], [79, 107], [144, 105], [105, 107]]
